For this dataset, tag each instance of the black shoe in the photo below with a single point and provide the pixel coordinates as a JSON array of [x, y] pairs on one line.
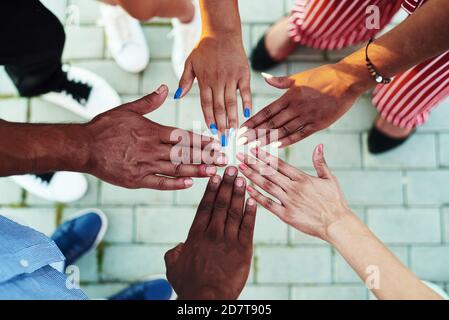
[[378, 142], [260, 58]]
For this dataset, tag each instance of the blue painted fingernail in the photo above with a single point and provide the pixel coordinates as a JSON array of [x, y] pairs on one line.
[[178, 93], [213, 128], [247, 112], [224, 142]]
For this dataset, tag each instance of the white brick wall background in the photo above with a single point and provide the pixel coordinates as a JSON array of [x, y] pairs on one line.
[[402, 195]]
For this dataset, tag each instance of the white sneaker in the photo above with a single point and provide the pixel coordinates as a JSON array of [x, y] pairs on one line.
[[126, 41], [185, 38], [84, 93], [57, 187]]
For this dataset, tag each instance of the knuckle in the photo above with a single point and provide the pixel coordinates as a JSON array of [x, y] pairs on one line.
[[235, 214], [220, 204], [206, 206], [267, 112], [161, 184], [177, 169]]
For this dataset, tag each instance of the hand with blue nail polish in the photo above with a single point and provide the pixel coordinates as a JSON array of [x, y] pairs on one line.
[[220, 65]]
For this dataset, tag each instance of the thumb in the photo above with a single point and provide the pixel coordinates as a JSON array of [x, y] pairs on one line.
[[320, 163], [186, 82], [278, 82], [171, 256], [148, 103]]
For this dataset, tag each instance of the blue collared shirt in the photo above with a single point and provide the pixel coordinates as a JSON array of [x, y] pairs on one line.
[[25, 271]]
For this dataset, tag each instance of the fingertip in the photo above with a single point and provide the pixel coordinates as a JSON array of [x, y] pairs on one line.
[[188, 183], [251, 202], [178, 93]]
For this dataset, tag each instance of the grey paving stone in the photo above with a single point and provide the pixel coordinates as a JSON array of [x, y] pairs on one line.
[[263, 292], [83, 42], [153, 223], [330, 292], [293, 265], [252, 11], [341, 150], [133, 262], [371, 187], [430, 262], [159, 42], [113, 195], [427, 187], [40, 219], [13, 109], [405, 226]]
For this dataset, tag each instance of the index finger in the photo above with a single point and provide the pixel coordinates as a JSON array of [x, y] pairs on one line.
[[184, 138], [263, 116]]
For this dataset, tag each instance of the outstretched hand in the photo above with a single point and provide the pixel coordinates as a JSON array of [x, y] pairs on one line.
[[129, 150], [314, 100], [215, 260]]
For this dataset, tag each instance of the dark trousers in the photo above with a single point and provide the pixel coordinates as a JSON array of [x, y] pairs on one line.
[[32, 41]]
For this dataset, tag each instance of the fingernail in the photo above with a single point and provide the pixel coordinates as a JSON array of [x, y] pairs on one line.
[[216, 146], [231, 171], [239, 182], [160, 89], [250, 189], [255, 144], [254, 151], [211, 171], [277, 144], [247, 112], [242, 141], [251, 202], [243, 166], [231, 132], [213, 128], [224, 140], [320, 149], [240, 156], [188, 182], [178, 93], [216, 179], [242, 130], [266, 75], [222, 160]]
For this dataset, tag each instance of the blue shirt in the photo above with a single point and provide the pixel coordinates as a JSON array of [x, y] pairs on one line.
[[25, 271]]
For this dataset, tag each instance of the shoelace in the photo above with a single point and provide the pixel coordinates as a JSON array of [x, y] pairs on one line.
[[78, 90]]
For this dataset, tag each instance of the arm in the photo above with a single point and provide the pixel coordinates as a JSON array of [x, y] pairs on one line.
[[220, 65], [317, 207], [318, 97], [395, 280], [120, 146]]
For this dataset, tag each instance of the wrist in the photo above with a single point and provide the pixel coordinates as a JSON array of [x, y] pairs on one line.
[[346, 227], [76, 142], [357, 74]]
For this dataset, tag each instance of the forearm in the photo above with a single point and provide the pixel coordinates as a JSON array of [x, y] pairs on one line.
[[220, 16], [383, 273], [40, 148], [420, 37]]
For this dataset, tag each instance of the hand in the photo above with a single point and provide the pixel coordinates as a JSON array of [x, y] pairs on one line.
[[129, 150], [221, 67], [215, 260], [309, 204], [315, 99]]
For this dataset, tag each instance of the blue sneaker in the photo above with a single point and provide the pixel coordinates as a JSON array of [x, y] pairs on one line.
[[156, 289], [81, 234]]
